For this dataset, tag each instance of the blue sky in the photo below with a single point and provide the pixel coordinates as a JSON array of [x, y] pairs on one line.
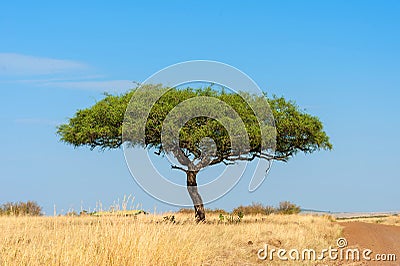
[[338, 59]]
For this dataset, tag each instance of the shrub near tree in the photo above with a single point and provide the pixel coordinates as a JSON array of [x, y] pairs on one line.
[[254, 208], [286, 207]]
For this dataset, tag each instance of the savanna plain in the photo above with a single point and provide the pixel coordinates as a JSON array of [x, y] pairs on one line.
[[174, 239]]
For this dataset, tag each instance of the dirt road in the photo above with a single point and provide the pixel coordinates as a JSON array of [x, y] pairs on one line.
[[381, 239]]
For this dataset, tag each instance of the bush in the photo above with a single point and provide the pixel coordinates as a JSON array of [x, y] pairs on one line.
[[29, 208], [269, 210], [254, 208], [286, 207]]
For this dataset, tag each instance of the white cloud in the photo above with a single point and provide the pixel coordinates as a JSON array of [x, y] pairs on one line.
[[57, 73], [19, 64]]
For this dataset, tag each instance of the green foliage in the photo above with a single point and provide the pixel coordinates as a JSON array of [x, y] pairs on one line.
[[97, 126], [101, 125], [29, 208], [286, 207], [296, 130]]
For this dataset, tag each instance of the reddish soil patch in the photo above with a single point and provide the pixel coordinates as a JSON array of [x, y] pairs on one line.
[[381, 239]]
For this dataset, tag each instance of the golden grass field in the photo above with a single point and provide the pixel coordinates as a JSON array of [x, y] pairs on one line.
[[148, 240]]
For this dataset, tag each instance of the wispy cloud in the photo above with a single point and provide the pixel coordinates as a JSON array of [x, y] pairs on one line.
[[18, 64], [57, 73]]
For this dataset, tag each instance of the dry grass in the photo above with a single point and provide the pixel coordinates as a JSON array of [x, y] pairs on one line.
[[147, 240]]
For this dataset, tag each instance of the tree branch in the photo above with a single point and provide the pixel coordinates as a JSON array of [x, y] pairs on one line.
[[261, 155], [182, 159], [179, 168], [228, 163]]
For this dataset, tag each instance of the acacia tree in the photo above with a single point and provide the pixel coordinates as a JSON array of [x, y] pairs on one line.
[[105, 125]]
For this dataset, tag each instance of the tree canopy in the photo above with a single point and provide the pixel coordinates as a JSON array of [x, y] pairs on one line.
[[102, 125]]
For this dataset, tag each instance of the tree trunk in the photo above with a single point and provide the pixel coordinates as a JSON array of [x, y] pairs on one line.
[[200, 213]]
